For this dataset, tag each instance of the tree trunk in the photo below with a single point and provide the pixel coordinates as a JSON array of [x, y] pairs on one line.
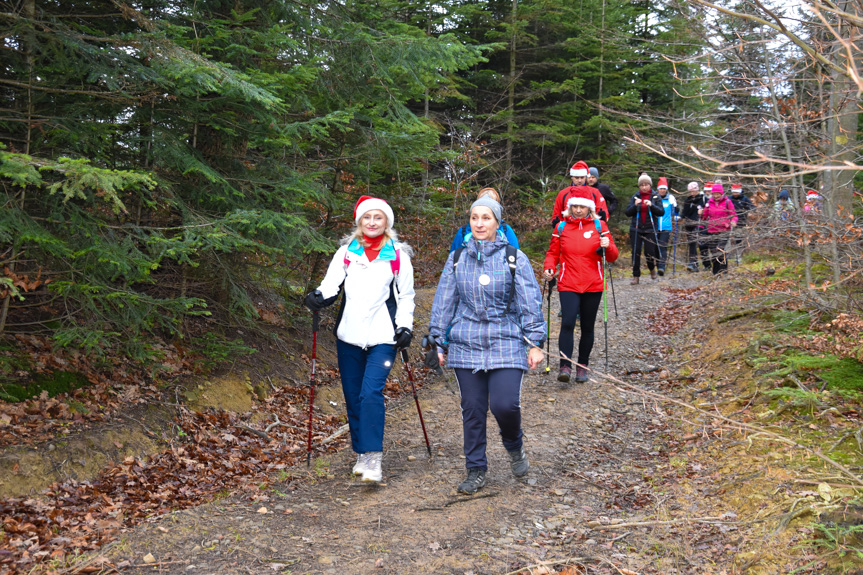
[[842, 119], [510, 126]]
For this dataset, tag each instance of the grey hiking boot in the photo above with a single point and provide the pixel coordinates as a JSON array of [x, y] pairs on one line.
[[518, 462], [565, 373], [373, 473], [474, 482], [580, 374], [360, 465]]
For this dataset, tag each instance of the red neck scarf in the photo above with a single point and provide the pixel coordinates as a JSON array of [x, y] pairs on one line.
[[645, 196], [375, 245]]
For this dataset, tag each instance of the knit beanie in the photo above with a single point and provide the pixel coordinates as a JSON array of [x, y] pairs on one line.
[[368, 203], [692, 187], [717, 189], [593, 172], [784, 195], [489, 203], [578, 170], [644, 178]]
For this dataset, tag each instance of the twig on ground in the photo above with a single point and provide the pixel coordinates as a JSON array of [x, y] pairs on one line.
[[338, 433], [458, 500]]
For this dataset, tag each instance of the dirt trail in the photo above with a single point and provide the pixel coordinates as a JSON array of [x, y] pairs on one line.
[[603, 491]]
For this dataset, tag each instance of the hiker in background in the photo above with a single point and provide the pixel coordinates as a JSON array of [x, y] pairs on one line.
[[693, 226], [578, 175], [504, 230], [487, 313], [576, 245], [376, 318], [665, 224], [720, 218], [813, 203], [742, 205], [604, 189], [644, 208], [783, 209]]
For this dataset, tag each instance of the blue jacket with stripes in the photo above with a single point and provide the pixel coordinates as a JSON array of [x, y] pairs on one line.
[[469, 309]]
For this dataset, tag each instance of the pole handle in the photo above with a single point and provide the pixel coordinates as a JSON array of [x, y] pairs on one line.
[[315, 320]]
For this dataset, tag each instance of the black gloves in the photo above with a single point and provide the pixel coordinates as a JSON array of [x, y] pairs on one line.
[[429, 342], [315, 301], [432, 361], [403, 338]]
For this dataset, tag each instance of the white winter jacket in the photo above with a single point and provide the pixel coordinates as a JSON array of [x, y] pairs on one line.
[[366, 320]]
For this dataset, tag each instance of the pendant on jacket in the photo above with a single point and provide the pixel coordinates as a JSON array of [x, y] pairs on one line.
[[484, 280]]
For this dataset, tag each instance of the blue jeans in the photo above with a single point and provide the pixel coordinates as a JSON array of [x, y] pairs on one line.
[[364, 373], [499, 389]]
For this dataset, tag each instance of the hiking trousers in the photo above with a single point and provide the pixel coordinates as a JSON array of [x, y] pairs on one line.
[[583, 307], [364, 373], [643, 237], [499, 389], [718, 255]]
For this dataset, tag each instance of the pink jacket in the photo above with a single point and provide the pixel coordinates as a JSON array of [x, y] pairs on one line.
[[719, 215]]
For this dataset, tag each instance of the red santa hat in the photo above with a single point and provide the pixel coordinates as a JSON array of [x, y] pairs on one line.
[[812, 195], [581, 196], [663, 183], [579, 170], [708, 187], [368, 203], [736, 189]]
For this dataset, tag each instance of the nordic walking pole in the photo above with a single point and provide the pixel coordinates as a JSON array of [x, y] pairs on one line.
[[674, 255], [312, 385], [605, 307], [551, 284], [613, 299], [410, 371]]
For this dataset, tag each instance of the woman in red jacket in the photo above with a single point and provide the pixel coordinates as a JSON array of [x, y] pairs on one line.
[[576, 244]]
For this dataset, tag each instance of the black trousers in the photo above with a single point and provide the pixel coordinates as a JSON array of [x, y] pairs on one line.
[[583, 307], [644, 238], [499, 389], [664, 238], [716, 246]]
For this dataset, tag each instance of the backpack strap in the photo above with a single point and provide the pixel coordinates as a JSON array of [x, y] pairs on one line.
[[511, 259], [455, 256], [560, 227]]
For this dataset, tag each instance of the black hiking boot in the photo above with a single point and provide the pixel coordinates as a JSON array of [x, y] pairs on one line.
[[518, 462], [474, 482]]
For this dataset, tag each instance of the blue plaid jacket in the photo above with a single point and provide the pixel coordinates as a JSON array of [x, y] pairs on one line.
[[471, 316]]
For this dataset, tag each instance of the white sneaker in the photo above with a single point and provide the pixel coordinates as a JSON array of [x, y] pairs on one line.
[[360, 465], [373, 472]]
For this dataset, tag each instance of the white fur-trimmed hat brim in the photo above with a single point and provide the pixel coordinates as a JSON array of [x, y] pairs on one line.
[[577, 173], [376, 204], [581, 202]]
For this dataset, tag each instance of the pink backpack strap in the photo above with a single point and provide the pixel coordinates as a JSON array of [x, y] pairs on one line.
[[396, 264]]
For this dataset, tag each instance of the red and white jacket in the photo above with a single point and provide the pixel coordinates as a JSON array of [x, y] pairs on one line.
[[574, 245]]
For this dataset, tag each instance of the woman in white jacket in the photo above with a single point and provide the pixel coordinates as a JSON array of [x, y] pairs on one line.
[[375, 320]]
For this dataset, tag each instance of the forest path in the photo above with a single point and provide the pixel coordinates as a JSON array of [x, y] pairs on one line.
[[603, 490]]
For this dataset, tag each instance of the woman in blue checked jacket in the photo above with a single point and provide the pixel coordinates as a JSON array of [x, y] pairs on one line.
[[487, 312]]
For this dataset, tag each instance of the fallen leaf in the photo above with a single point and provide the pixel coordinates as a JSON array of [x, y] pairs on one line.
[[263, 510]]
